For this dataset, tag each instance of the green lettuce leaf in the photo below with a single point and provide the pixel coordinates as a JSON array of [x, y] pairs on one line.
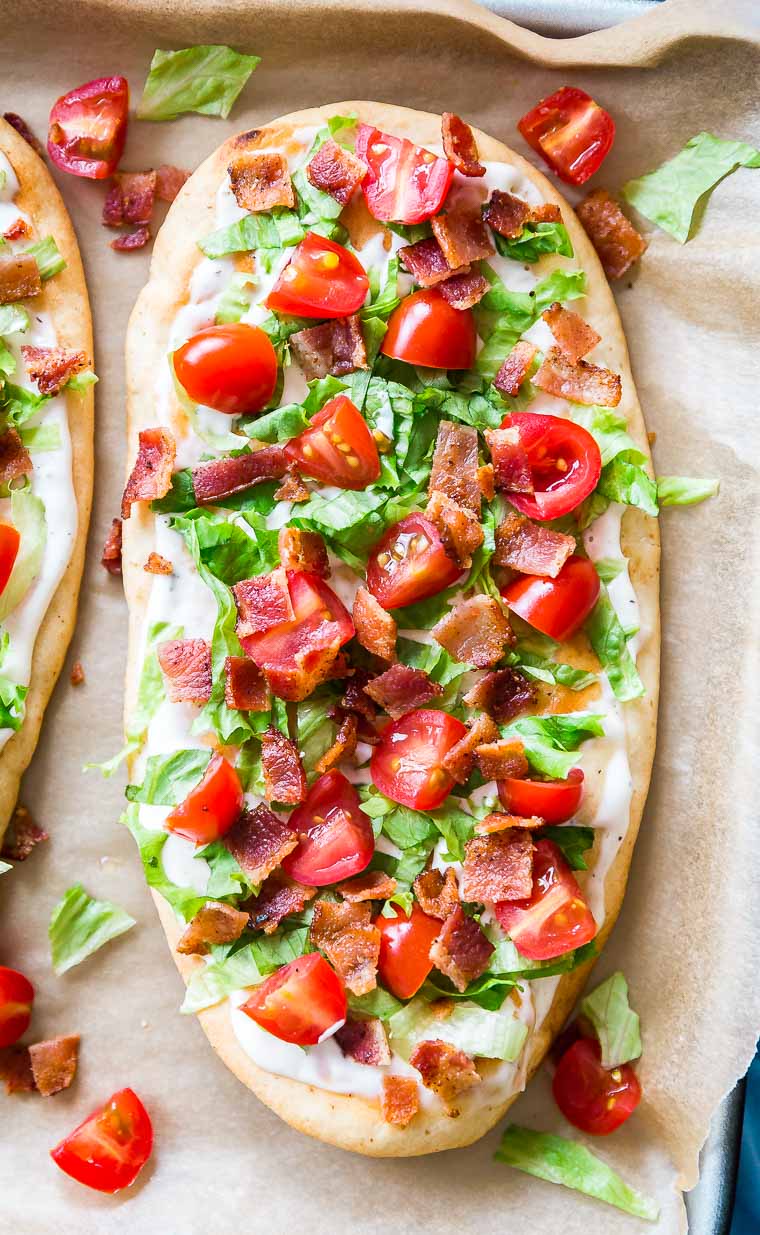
[[550, 740], [685, 490], [608, 639], [609, 431], [504, 315], [315, 729], [573, 840], [180, 498], [383, 296], [608, 568], [534, 241], [41, 438], [468, 1027], [48, 258], [285, 422], [226, 879], [378, 1003], [616, 1025], [226, 550], [235, 300], [17, 404], [205, 79], [79, 925], [169, 778], [12, 705], [13, 318], [553, 672], [28, 517], [248, 966], [184, 901], [624, 481], [81, 381], [268, 234]]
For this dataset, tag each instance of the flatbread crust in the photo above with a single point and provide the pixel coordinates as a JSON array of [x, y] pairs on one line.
[[64, 298], [347, 1121]]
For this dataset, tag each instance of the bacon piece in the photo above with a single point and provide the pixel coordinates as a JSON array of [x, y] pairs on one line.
[[530, 547], [111, 557], [512, 470], [485, 481], [54, 1063], [245, 687], [23, 130], [260, 180], [76, 677], [464, 290], [513, 372], [262, 602], [131, 240], [169, 181], [214, 923], [186, 666], [151, 474], [426, 263], [475, 632], [258, 841], [336, 171], [284, 777], [401, 689], [15, 459], [462, 950], [499, 822], [372, 886], [454, 470], [548, 212], [158, 565], [221, 477], [25, 834], [614, 237], [130, 199], [335, 347], [506, 214], [445, 1070], [502, 760], [343, 746], [278, 899], [583, 382], [498, 867], [459, 145], [51, 367], [301, 550], [350, 942], [399, 1100], [365, 1041], [16, 1069], [292, 488], [438, 894], [575, 338], [459, 528], [502, 693], [374, 626], [462, 235], [460, 760], [19, 277], [18, 230]]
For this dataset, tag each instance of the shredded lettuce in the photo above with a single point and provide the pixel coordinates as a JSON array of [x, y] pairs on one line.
[[553, 672], [468, 1027], [410, 829], [48, 258], [534, 241], [609, 431], [13, 319], [169, 778], [81, 381], [226, 879], [504, 315], [315, 728], [205, 79], [12, 705], [248, 966], [268, 234], [608, 639], [226, 550], [39, 438], [17, 404], [574, 841], [625, 481], [379, 1003], [184, 901], [616, 1025], [608, 568], [28, 517], [7, 361], [685, 490], [550, 741], [79, 925], [235, 300], [285, 422]]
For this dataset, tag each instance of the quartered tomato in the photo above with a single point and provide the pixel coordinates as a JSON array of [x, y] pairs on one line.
[[108, 1151], [88, 128], [211, 808], [409, 563], [556, 918], [337, 448], [426, 330], [337, 839], [404, 183], [406, 764], [16, 999], [231, 368], [300, 1002], [565, 464], [571, 132], [595, 1099], [556, 607], [322, 279], [9, 543], [405, 943], [555, 801]]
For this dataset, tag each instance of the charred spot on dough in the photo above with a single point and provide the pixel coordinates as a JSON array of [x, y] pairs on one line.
[[249, 138]]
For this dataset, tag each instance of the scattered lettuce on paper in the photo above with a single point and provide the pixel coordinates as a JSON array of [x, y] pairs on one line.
[[205, 79], [79, 925], [616, 1025]]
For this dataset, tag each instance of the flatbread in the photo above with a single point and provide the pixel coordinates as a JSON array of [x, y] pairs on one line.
[[344, 1120], [64, 298]]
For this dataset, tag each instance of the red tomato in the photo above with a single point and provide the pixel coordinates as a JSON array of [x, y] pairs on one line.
[[595, 1099], [300, 1002], [88, 128], [425, 330], [405, 944], [322, 279], [9, 543], [406, 764], [231, 368], [555, 801], [16, 999], [211, 808], [556, 607], [565, 464], [409, 563], [571, 132], [556, 918], [337, 448], [337, 838], [108, 1151], [404, 183]]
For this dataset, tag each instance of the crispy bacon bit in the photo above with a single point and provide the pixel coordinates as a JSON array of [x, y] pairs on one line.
[[373, 886], [475, 632], [498, 867], [502, 760], [279, 897], [438, 894], [23, 130], [514, 370], [530, 547], [455, 464], [76, 677], [486, 481], [399, 1100], [19, 277], [499, 822], [511, 465], [284, 778], [506, 214], [335, 347], [18, 230], [460, 760], [131, 240], [614, 237], [54, 1063], [15, 459], [293, 488], [258, 842], [426, 263], [575, 338], [354, 698], [460, 529], [221, 477], [548, 212], [130, 199], [459, 145], [261, 180], [401, 689], [158, 565], [365, 1041], [462, 950], [51, 367], [375, 628], [336, 171], [349, 941], [262, 602], [245, 687], [186, 666], [503, 694], [25, 833], [301, 550], [343, 746], [462, 235], [214, 923], [111, 557], [464, 290], [151, 475], [16, 1069], [169, 181], [583, 382], [445, 1070]]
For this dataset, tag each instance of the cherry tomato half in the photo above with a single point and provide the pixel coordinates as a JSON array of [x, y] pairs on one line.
[[337, 448], [336, 836], [300, 1002], [405, 943], [404, 183], [554, 801], [231, 368], [211, 808], [425, 330], [16, 999], [322, 279], [595, 1099], [409, 563], [88, 128], [9, 543], [108, 1151], [565, 464], [406, 764], [556, 607], [556, 918], [571, 132]]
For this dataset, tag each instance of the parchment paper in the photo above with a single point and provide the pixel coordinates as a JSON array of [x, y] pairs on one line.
[[687, 938]]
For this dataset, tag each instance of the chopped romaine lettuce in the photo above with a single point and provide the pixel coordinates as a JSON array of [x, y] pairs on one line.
[[553, 672], [248, 966], [574, 841], [550, 741], [685, 490], [226, 550], [40, 438], [235, 300], [79, 925], [608, 639], [81, 381], [185, 901], [205, 79], [608, 568], [267, 234], [378, 1003], [534, 241], [28, 517], [169, 778], [617, 1026], [48, 258], [12, 705], [315, 728], [13, 319], [468, 1027], [625, 481]]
